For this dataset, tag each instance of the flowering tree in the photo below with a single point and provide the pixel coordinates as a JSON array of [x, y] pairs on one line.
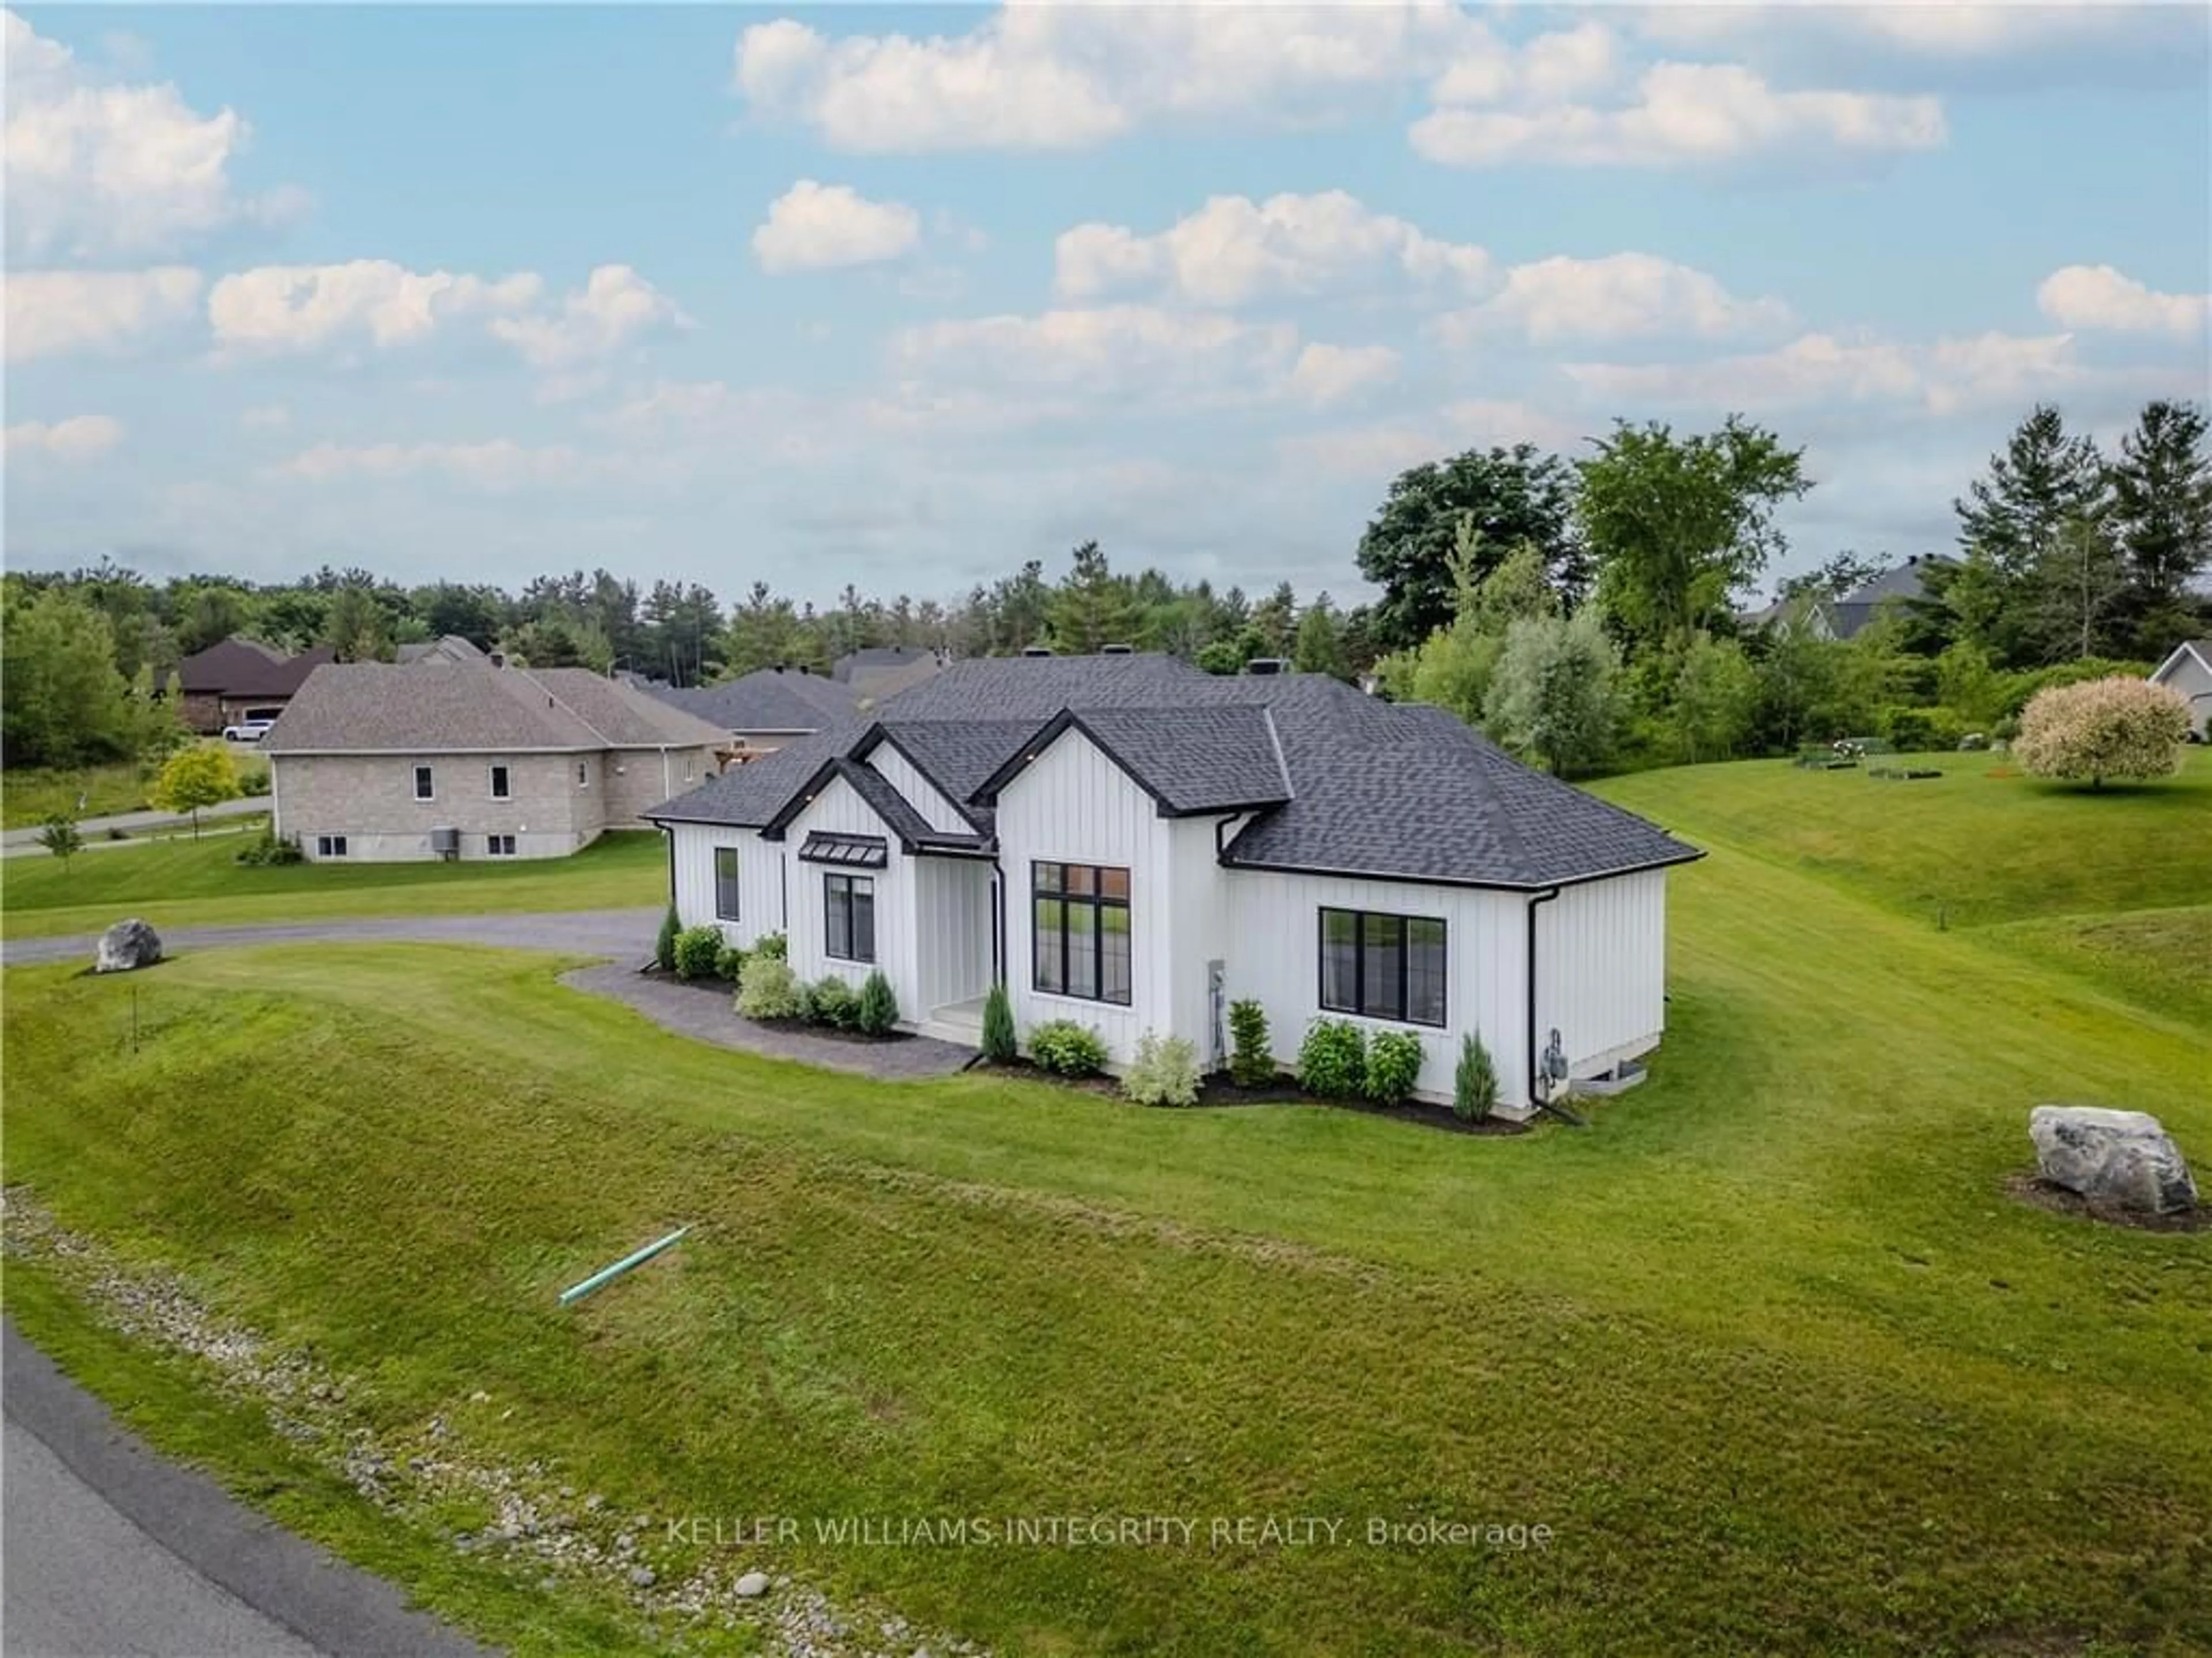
[[2116, 728]]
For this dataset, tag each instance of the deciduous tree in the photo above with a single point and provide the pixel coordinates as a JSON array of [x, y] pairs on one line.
[[2117, 727], [194, 778]]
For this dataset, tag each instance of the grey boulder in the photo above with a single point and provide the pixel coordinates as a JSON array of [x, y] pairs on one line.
[[125, 946], [2116, 1159]]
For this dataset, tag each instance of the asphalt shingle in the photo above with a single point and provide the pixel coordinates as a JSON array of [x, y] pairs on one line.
[[434, 707], [1373, 788], [765, 700]]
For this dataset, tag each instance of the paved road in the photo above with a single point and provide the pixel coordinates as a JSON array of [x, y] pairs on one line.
[[622, 933], [88, 827], [112, 1553]]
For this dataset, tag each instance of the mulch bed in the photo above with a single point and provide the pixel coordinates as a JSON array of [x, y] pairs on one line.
[[1218, 1091], [2043, 1194], [725, 992]]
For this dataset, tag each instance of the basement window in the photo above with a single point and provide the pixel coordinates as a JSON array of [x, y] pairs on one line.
[[329, 846], [499, 845]]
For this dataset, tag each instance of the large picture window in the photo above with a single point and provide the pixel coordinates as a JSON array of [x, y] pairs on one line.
[[849, 917], [725, 884], [1079, 937], [1383, 967]]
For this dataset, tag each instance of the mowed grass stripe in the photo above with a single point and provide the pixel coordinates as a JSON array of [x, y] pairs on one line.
[[183, 883]]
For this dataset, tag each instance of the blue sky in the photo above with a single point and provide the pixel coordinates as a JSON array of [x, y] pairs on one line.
[[902, 297]]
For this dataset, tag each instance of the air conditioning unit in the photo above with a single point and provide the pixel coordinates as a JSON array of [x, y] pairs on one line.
[[446, 843]]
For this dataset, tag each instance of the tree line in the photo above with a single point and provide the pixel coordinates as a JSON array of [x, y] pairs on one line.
[[1586, 612]]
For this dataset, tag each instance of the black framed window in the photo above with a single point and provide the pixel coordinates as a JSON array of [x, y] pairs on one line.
[[423, 790], [848, 903], [329, 846], [725, 884], [499, 845], [1383, 967], [1079, 931], [499, 783]]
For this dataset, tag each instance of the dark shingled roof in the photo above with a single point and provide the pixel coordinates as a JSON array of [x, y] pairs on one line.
[[765, 700], [1345, 783], [247, 667], [1190, 760]]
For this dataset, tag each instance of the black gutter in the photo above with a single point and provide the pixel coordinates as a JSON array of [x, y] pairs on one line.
[[1689, 856]]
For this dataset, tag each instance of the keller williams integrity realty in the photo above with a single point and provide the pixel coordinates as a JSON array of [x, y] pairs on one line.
[[1246, 1531]]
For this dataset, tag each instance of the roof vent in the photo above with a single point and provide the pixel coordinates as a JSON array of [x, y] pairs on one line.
[[1037, 650], [1117, 650], [1264, 665]]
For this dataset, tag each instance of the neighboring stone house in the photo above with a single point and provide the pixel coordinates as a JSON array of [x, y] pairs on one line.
[[443, 758], [766, 709], [238, 679]]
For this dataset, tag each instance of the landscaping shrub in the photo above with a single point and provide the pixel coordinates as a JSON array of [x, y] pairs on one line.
[[1474, 1085], [1333, 1060], [664, 947], [268, 847], [774, 945], [698, 952], [730, 964], [1069, 1048], [1394, 1065], [834, 1003], [1921, 730], [1000, 1044], [877, 1011], [1251, 1054], [2116, 728], [1165, 1072], [770, 989]]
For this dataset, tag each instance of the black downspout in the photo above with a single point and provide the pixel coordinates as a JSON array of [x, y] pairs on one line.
[[998, 921], [668, 837], [1536, 1058], [783, 895]]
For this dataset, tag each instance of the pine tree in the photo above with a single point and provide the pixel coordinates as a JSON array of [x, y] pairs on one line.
[[1093, 607], [2014, 524], [2162, 519]]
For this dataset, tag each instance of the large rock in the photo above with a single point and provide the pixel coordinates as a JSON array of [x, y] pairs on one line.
[[2116, 1159], [125, 946]]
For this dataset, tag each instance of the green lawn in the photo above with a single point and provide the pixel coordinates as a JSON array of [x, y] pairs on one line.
[[29, 795], [185, 882], [1981, 843], [1768, 1348]]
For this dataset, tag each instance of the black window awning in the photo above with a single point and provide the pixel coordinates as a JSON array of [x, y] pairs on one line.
[[852, 851]]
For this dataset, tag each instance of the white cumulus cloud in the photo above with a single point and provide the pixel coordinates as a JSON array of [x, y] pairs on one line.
[[1979, 371], [1682, 114], [1234, 249], [82, 437], [2099, 298], [818, 226], [1327, 374], [615, 308], [1040, 76], [53, 312], [100, 168], [1621, 296], [307, 307]]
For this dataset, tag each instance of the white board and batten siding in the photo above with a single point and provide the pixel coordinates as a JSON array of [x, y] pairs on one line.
[[920, 793], [1601, 969], [759, 879], [952, 932], [837, 810], [1274, 921], [1071, 805]]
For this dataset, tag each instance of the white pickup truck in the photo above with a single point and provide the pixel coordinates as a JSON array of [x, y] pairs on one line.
[[247, 731]]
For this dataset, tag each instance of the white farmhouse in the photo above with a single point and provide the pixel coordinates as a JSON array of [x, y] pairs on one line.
[[1134, 844], [2189, 671]]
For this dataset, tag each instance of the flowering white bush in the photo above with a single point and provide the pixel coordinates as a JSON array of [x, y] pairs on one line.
[[2101, 728]]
